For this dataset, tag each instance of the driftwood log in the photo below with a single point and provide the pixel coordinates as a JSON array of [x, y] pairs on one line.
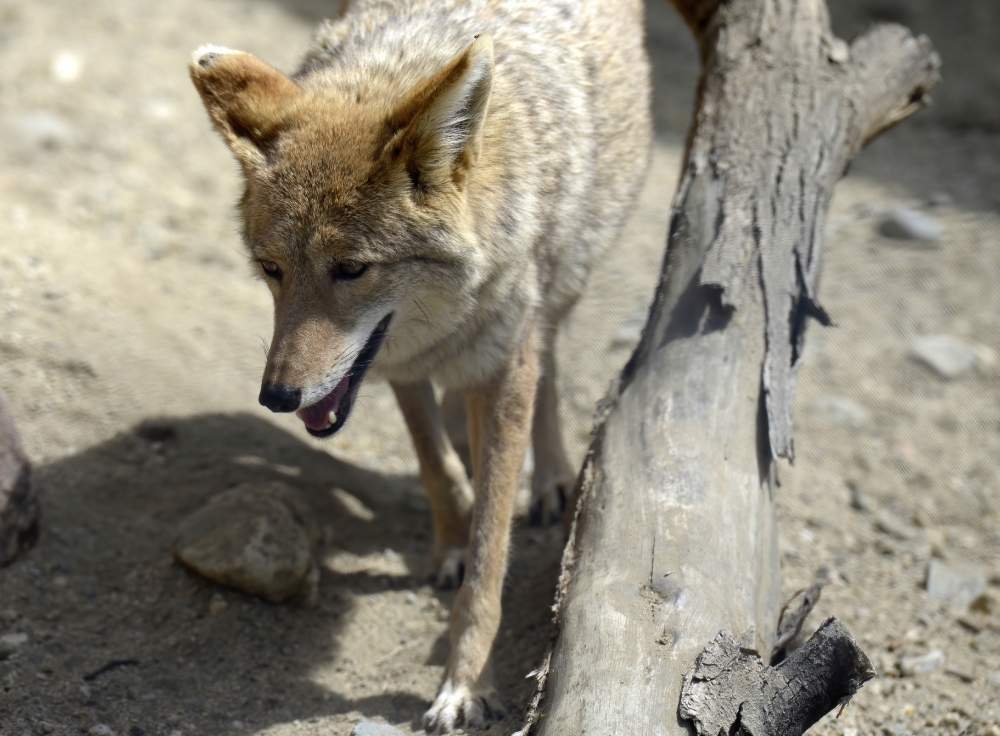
[[674, 537]]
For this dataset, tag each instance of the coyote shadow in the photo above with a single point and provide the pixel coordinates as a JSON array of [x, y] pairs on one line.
[[122, 630]]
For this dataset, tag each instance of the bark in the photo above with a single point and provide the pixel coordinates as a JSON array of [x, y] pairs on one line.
[[731, 691], [674, 537], [18, 505]]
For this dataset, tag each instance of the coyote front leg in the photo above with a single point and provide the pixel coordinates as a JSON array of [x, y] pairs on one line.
[[500, 416], [444, 479]]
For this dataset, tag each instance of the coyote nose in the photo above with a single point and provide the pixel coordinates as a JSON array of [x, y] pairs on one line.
[[280, 398]]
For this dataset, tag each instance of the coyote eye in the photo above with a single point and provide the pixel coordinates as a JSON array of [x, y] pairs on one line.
[[271, 269], [348, 270]]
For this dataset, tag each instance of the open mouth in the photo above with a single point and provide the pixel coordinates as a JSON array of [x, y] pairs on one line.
[[328, 415]]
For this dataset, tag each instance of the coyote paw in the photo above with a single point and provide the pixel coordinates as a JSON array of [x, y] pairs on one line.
[[548, 499], [461, 707], [447, 569]]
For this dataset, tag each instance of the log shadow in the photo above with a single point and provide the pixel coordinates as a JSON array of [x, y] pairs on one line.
[[120, 634]]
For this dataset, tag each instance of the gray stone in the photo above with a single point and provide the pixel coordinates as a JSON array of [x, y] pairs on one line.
[[840, 411], [889, 524], [912, 666], [11, 643], [948, 357], [375, 729], [994, 678], [41, 129], [19, 510], [100, 730], [257, 537], [903, 223], [954, 583]]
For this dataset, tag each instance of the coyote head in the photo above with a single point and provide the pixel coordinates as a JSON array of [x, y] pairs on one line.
[[354, 214]]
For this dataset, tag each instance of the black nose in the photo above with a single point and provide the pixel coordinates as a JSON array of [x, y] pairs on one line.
[[280, 398]]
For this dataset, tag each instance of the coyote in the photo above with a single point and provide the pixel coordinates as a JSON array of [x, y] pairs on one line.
[[426, 197]]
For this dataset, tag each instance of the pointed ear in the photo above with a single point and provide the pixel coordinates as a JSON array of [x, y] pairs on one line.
[[441, 121], [248, 101]]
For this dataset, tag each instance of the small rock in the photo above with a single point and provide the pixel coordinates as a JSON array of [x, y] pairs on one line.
[[375, 729], [840, 411], [988, 603], [44, 727], [858, 500], [892, 526], [100, 730], [994, 678], [948, 357], [217, 604], [257, 537], [11, 643], [961, 674], [957, 584], [902, 223], [42, 129], [8, 615], [912, 666], [940, 199]]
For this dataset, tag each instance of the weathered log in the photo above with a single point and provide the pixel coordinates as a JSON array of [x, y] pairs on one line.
[[18, 503], [674, 537]]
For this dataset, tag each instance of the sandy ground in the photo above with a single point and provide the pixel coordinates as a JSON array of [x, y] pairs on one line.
[[124, 297]]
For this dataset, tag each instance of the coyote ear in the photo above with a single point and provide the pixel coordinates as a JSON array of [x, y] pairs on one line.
[[247, 100], [442, 119]]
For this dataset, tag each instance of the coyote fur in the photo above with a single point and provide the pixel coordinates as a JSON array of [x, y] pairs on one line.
[[425, 198]]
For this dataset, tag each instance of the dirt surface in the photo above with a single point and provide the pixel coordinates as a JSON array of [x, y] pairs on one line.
[[125, 298]]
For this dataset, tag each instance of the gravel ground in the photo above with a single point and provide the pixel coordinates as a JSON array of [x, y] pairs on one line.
[[124, 298]]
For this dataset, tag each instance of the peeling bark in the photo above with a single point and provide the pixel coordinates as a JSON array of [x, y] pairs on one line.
[[674, 536], [731, 691]]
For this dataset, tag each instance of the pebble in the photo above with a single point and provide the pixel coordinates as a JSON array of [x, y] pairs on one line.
[[902, 223], [947, 356], [912, 666], [217, 604], [954, 583], [840, 411], [100, 730], [892, 526], [994, 678], [858, 500], [42, 129], [366, 728], [256, 537], [11, 643]]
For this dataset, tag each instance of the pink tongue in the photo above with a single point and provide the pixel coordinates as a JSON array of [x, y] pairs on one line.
[[317, 416]]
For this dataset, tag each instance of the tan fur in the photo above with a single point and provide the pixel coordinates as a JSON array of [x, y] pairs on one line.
[[478, 157]]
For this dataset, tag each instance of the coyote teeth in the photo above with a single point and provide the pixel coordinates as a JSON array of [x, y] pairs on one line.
[[333, 418]]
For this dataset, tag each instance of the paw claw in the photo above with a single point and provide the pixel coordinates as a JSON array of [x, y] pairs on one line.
[[461, 707]]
